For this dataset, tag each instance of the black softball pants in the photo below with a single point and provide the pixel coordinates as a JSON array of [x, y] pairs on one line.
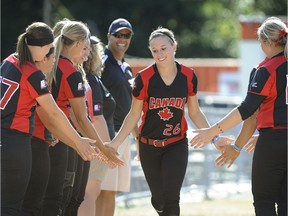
[[269, 173], [16, 160], [164, 170], [52, 204], [39, 178], [78, 190]]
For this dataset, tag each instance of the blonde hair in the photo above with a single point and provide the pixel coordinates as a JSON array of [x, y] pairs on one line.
[[275, 30], [72, 31], [160, 32], [59, 26], [94, 63]]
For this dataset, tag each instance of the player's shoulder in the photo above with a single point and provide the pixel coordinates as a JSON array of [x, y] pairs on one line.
[[185, 69], [148, 70]]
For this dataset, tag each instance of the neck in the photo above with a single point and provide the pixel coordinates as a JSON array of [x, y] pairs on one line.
[[66, 54], [167, 69], [275, 51]]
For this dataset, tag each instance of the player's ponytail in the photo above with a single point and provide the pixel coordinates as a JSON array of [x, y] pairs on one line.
[[274, 30]]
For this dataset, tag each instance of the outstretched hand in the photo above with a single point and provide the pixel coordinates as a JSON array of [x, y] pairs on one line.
[[228, 156], [110, 157], [201, 138], [223, 142], [85, 149]]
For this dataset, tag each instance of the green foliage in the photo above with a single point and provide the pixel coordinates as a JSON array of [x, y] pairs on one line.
[[203, 28]]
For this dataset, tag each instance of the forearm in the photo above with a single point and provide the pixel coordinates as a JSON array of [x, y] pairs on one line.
[[135, 132], [199, 119], [129, 124], [247, 130], [101, 127], [75, 123], [90, 131], [229, 121], [80, 111], [59, 126]]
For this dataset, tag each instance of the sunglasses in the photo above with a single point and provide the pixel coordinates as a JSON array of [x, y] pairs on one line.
[[120, 35]]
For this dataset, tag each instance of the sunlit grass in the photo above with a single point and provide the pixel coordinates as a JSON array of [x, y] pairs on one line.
[[234, 206]]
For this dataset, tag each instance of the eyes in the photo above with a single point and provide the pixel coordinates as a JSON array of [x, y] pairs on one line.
[[156, 50], [120, 35], [86, 49]]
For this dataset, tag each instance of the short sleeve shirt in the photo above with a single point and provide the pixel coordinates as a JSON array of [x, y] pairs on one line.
[[163, 106], [19, 89], [69, 84]]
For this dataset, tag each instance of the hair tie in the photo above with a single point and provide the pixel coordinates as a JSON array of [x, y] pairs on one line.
[[282, 33], [39, 41], [166, 34]]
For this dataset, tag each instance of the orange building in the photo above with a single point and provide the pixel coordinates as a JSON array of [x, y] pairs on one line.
[[207, 70]]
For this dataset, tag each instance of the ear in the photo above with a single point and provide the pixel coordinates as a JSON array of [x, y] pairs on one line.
[[175, 47], [77, 43]]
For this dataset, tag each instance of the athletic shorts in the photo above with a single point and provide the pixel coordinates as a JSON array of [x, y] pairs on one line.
[[118, 179], [97, 170]]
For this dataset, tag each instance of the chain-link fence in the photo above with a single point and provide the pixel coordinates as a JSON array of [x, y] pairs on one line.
[[203, 180]]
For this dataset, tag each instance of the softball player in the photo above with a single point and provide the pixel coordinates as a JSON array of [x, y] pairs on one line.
[[161, 93], [267, 92]]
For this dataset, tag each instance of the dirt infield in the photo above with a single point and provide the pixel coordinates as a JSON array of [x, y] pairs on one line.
[[235, 206]]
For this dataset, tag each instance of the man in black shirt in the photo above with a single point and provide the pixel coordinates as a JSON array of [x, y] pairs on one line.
[[117, 78]]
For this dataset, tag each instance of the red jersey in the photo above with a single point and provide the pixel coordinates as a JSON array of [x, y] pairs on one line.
[[269, 80], [40, 131], [163, 106], [19, 89], [69, 84]]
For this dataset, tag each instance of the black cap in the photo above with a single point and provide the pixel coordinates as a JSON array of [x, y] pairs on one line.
[[120, 24]]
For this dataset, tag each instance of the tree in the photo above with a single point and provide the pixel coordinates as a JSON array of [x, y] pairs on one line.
[[203, 28]]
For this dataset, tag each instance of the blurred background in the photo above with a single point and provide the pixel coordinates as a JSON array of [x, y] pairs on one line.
[[216, 38], [203, 28]]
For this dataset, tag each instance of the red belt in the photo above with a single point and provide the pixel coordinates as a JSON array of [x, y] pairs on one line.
[[161, 143]]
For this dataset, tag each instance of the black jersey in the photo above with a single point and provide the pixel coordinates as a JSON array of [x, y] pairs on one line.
[[103, 102], [116, 77], [269, 80], [163, 106]]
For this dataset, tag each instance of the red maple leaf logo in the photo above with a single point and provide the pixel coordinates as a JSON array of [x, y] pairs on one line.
[[165, 114]]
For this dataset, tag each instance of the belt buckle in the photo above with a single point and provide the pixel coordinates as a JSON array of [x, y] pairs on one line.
[[162, 142]]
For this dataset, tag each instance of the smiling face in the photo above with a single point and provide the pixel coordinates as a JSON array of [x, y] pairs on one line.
[[119, 42], [162, 50], [84, 54]]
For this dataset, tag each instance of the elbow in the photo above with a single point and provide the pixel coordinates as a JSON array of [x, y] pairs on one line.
[[246, 112]]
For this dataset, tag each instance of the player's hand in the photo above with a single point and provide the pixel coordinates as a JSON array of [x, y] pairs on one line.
[[85, 148], [222, 142], [201, 137], [228, 156], [251, 144], [109, 156]]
